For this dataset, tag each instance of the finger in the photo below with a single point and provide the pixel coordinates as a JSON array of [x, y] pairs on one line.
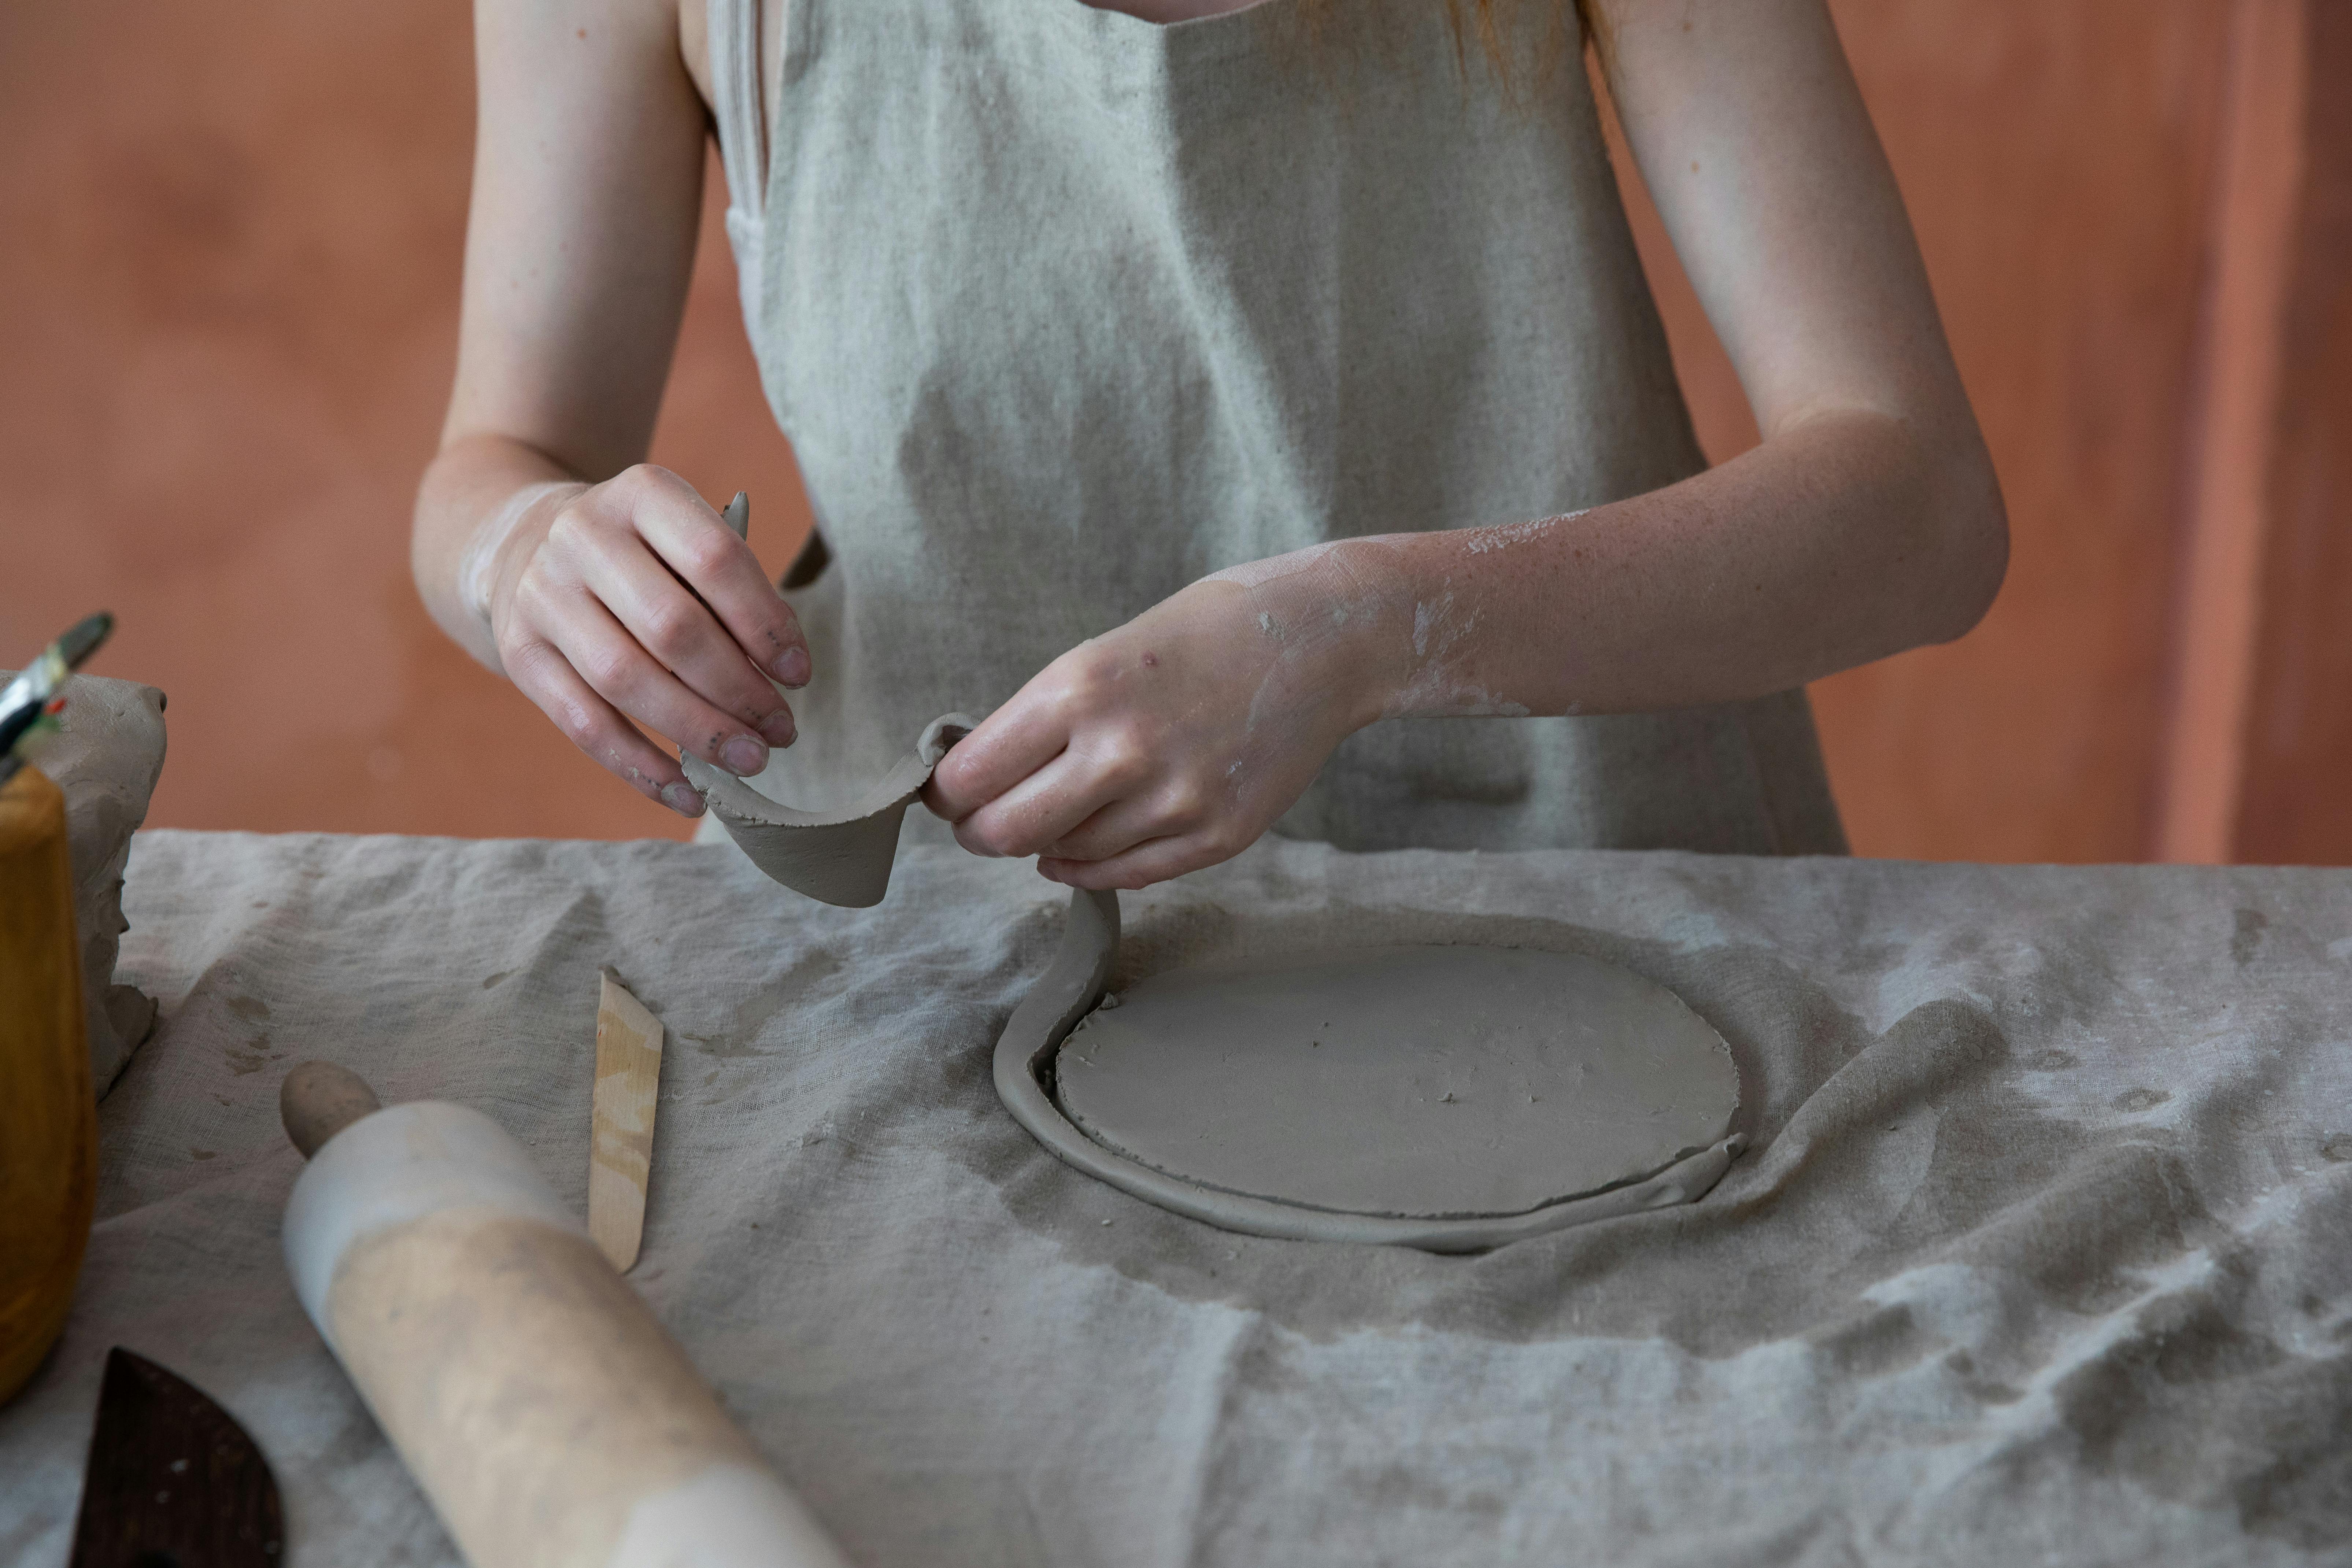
[[540, 672], [679, 631], [1124, 824], [1011, 744], [693, 542], [623, 673], [1042, 808], [1153, 860]]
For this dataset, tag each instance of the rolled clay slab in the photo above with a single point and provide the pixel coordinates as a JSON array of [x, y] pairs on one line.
[[1446, 1098], [536, 1400], [837, 857]]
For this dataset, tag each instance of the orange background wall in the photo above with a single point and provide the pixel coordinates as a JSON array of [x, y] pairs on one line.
[[2055, 159], [230, 247]]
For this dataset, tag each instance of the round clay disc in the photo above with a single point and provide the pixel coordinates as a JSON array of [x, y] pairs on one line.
[[1419, 1082]]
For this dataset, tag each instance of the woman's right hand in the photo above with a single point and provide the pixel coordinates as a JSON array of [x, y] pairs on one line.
[[624, 606], [631, 600]]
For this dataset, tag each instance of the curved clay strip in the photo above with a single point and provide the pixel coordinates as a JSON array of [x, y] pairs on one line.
[[838, 856], [1072, 986]]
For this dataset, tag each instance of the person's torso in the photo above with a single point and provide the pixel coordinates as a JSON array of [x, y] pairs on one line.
[[1062, 310]]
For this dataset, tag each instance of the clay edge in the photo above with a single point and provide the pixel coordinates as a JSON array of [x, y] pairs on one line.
[[735, 801], [1101, 1141], [1069, 989], [1722, 1134]]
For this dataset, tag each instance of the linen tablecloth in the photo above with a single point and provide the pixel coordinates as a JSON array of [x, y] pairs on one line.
[[2042, 1251]]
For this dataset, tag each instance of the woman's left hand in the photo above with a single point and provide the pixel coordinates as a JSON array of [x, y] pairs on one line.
[[1174, 742]]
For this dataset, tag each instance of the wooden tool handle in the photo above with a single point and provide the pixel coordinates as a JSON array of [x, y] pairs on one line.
[[319, 1099], [538, 1402]]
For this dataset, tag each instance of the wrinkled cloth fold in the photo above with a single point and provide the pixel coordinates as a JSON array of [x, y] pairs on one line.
[[2037, 1254]]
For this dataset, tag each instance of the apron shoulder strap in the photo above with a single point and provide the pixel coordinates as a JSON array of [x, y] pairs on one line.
[[734, 32]]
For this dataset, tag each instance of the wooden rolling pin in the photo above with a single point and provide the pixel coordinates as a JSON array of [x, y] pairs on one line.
[[49, 1119], [536, 1400]]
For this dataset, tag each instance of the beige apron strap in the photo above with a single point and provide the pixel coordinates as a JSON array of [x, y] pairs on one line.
[[735, 104]]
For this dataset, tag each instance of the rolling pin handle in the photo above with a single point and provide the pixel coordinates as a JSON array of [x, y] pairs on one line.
[[319, 1099]]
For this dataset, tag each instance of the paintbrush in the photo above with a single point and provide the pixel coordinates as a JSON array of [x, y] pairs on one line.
[[33, 695]]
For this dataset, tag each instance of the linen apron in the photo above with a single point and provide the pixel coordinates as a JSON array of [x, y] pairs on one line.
[[1063, 311]]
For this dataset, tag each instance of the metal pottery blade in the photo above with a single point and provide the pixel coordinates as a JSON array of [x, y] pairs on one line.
[[173, 1479]]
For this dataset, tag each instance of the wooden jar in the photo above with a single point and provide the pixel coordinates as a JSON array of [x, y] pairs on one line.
[[49, 1119]]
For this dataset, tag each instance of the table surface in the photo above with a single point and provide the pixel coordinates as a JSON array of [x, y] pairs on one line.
[[2040, 1253]]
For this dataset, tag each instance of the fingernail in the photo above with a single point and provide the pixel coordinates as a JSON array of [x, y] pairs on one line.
[[780, 731], [742, 756], [681, 799], [792, 666]]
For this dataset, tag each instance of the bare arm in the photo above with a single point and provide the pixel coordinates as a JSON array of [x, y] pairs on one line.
[[607, 590], [1867, 522]]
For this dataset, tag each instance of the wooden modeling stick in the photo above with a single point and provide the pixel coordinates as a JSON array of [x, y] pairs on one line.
[[621, 1140], [542, 1409]]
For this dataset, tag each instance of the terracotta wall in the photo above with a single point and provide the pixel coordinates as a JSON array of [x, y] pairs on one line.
[[2294, 734], [229, 246], [2057, 161], [230, 240]]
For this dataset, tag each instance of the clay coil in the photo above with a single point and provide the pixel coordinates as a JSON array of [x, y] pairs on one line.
[[1073, 985]]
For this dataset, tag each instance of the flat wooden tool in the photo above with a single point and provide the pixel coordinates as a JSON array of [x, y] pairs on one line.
[[621, 1149], [172, 1478]]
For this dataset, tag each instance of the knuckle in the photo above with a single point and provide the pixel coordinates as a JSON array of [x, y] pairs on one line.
[[1184, 806], [532, 602], [531, 665], [1012, 840], [637, 480], [950, 780], [1125, 769], [1221, 841], [673, 630], [1083, 679], [517, 652], [706, 554], [609, 668], [1128, 754], [576, 721], [571, 528]]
